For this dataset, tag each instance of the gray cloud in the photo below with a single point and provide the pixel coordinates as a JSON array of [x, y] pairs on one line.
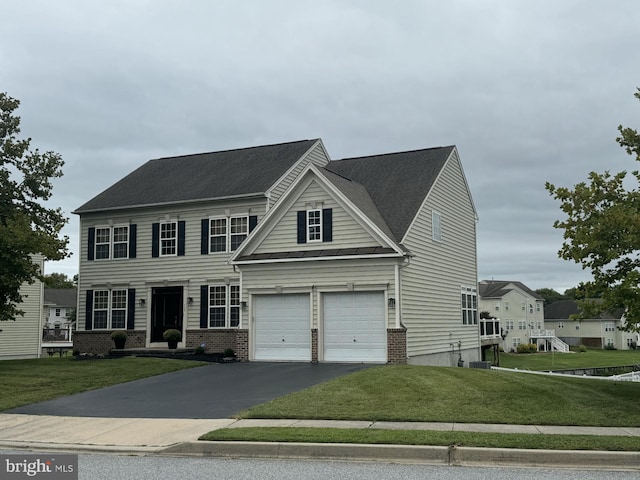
[[528, 91]]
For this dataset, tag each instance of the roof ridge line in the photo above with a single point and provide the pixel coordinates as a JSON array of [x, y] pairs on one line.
[[234, 149]]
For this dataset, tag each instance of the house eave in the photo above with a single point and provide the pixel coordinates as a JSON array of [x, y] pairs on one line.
[[178, 202], [313, 259]]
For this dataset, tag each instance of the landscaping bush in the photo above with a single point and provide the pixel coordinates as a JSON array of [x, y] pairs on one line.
[[527, 348]]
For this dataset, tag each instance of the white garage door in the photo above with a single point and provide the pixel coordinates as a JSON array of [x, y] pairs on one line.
[[282, 327], [354, 327]]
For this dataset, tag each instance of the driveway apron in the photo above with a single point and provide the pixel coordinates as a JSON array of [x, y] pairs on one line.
[[210, 391]]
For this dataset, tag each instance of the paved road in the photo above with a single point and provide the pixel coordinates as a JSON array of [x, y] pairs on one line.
[[211, 391], [111, 467]]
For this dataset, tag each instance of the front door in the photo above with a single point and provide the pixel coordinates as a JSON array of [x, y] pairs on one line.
[[166, 311]]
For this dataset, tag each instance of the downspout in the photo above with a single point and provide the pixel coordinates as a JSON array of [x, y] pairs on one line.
[[398, 293]]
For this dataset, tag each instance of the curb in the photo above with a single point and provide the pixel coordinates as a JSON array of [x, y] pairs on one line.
[[438, 455]]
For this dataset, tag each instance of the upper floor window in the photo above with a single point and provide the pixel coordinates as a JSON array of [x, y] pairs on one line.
[[560, 324], [522, 325], [509, 324], [609, 327], [469, 306], [226, 234], [497, 306], [537, 307], [506, 305], [315, 225], [168, 238], [436, 226], [58, 312], [111, 242]]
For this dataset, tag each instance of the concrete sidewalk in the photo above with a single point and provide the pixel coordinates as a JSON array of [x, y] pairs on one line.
[[144, 436]]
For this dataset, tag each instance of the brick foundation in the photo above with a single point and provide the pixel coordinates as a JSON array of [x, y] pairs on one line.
[[217, 341], [100, 342], [397, 346]]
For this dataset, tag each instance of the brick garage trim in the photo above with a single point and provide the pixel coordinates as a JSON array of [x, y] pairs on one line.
[[397, 346]]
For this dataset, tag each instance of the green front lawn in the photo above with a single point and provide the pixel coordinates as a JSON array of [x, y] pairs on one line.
[[29, 381], [449, 394], [561, 361], [413, 437]]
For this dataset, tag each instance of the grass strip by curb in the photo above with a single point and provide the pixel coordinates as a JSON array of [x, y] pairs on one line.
[[425, 437]]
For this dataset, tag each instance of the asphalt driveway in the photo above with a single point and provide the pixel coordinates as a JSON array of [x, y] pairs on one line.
[[210, 391]]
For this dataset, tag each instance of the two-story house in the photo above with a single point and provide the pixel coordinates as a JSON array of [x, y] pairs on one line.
[[283, 254], [520, 310], [601, 332], [59, 318]]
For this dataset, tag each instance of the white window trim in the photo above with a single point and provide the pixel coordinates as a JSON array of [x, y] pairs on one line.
[[110, 309], [175, 239], [111, 243], [471, 293], [228, 235], [436, 226], [225, 235], [227, 306], [309, 226]]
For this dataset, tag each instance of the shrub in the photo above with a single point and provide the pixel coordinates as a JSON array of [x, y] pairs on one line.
[[582, 348], [228, 352], [527, 348], [172, 335], [199, 350], [119, 335], [610, 346]]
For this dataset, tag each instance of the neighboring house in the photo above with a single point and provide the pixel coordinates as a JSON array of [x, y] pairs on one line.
[[59, 304], [590, 332], [521, 314], [282, 254], [21, 338]]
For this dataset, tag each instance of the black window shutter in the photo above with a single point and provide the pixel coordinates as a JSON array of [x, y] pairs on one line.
[[131, 308], [155, 240], [88, 325], [181, 236], [204, 306], [91, 243], [327, 225], [302, 226], [253, 221], [204, 236], [132, 240]]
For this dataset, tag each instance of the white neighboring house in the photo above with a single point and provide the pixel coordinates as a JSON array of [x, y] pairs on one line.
[[21, 338], [590, 332], [59, 303], [521, 314]]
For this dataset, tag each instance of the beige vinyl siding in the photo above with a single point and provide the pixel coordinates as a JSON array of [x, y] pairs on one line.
[[320, 276], [22, 338], [347, 232], [316, 156], [144, 272], [431, 283]]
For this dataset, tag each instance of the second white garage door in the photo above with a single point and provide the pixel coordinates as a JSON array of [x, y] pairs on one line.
[[354, 327], [282, 327]]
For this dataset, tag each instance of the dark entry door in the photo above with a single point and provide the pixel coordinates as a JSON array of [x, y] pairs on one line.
[[166, 311]]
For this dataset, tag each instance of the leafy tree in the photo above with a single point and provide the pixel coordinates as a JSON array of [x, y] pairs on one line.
[[549, 295], [602, 233], [27, 227], [58, 280]]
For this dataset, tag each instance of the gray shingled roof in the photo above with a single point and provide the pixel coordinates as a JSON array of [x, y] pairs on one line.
[[62, 297], [397, 183], [562, 309], [359, 196], [202, 176], [499, 288]]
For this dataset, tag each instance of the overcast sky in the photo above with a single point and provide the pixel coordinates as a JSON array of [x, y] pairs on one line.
[[529, 91]]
